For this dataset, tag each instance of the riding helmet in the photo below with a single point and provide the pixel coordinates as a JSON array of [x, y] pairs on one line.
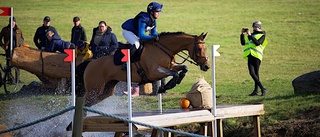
[[154, 7]]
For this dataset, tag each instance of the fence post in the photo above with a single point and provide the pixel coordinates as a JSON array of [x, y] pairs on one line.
[[78, 118]]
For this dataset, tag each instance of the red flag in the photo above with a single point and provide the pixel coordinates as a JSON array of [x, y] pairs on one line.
[[5, 11], [69, 52], [125, 52]]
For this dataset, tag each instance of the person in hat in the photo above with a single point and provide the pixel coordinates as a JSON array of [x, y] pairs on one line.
[[77, 32], [135, 29], [254, 44], [55, 43], [40, 39], [83, 48], [104, 41], [17, 36]]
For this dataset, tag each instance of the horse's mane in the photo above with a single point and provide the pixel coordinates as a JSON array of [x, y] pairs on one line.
[[174, 33]]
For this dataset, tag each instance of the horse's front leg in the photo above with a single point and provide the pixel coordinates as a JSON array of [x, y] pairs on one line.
[[176, 77], [172, 82], [183, 70]]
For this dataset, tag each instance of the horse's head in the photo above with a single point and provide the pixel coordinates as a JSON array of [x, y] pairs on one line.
[[182, 41], [199, 52]]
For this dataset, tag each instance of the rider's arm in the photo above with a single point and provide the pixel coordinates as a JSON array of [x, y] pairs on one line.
[[154, 30], [141, 30]]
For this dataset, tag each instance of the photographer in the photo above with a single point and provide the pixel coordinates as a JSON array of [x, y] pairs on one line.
[[254, 44]]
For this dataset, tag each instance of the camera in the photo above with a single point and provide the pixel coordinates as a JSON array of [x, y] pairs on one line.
[[245, 29]]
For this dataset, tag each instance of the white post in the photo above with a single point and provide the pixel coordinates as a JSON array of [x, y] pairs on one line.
[[160, 108], [214, 107], [129, 93], [73, 79], [160, 102]]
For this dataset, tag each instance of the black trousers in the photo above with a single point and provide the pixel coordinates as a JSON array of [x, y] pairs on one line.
[[254, 66]]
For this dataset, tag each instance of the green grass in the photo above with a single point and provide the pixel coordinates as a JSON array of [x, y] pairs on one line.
[[292, 30]]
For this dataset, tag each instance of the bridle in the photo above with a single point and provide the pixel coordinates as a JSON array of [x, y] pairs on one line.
[[194, 54]]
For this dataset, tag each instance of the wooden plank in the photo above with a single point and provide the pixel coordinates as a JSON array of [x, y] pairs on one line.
[[100, 120], [112, 127], [174, 119], [231, 111]]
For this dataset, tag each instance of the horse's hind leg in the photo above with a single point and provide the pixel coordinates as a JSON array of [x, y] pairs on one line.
[[99, 92], [108, 91]]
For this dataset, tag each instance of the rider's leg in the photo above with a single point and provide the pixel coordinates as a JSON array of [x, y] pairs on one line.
[[132, 39]]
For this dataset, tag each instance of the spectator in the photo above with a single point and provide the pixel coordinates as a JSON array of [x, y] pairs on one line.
[[17, 37], [103, 41], [56, 44], [40, 39], [78, 32], [83, 48]]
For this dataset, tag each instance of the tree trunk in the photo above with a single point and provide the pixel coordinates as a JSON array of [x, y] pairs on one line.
[[48, 65]]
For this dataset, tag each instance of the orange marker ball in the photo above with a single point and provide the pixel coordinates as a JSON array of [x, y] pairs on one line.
[[184, 103]]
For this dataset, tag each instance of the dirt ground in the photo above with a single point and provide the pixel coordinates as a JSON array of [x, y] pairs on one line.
[[306, 125]]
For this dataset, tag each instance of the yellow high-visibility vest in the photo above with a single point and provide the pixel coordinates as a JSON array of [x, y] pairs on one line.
[[251, 48]]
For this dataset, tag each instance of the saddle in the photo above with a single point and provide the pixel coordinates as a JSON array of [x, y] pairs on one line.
[[118, 55]]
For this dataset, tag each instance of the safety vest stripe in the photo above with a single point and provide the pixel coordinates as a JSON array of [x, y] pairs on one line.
[[250, 48]]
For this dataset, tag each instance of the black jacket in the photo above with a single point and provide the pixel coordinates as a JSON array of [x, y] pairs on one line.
[[108, 44], [40, 38], [78, 33]]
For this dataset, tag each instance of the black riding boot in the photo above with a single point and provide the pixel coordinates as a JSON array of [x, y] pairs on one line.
[[133, 49]]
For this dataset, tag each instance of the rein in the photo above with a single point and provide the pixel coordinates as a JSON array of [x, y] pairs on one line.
[[194, 54], [161, 48]]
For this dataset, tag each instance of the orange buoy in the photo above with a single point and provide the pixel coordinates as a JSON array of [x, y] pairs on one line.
[[184, 103]]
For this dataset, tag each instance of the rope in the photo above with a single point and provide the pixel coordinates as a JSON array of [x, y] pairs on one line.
[[38, 121], [142, 124], [101, 113]]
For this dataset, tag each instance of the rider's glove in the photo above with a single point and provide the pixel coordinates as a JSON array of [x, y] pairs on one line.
[[156, 38]]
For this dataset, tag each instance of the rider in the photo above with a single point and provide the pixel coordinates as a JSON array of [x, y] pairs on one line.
[[134, 29]]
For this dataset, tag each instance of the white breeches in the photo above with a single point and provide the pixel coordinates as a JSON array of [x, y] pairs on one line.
[[131, 38]]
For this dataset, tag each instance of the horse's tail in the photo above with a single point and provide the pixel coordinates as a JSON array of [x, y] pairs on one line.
[[79, 87]]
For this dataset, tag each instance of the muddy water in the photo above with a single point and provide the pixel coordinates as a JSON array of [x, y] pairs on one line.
[[23, 111]]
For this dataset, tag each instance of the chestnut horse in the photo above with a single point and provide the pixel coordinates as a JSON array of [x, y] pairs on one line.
[[101, 75]]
